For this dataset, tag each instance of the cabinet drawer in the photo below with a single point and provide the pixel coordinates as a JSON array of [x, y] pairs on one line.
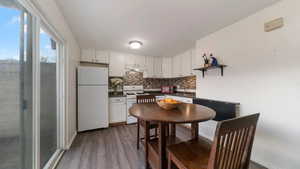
[[117, 100]]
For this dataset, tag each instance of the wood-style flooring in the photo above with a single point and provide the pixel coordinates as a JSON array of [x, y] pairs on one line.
[[113, 148]]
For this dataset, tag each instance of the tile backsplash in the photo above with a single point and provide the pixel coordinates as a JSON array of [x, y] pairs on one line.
[[133, 78], [136, 78]]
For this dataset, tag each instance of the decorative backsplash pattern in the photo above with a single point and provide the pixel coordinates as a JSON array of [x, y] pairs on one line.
[[136, 78], [133, 78], [188, 82]]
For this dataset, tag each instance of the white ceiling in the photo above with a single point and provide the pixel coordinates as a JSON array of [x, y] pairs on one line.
[[166, 27]]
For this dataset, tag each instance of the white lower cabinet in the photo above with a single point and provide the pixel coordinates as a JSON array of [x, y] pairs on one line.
[[117, 109]]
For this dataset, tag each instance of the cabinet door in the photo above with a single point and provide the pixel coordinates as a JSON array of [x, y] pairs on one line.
[[196, 61], [88, 55], [140, 61], [186, 63], [148, 73], [117, 110], [116, 64], [167, 67], [136, 61], [174, 69], [157, 67], [129, 59], [102, 57], [177, 66]]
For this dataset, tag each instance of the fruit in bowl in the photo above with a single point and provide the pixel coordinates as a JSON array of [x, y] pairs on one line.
[[168, 103]]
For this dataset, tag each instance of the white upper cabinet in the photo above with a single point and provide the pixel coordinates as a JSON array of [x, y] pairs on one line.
[[129, 59], [102, 57], [186, 58], [88, 55], [196, 61], [157, 67], [94, 56], [140, 61], [149, 67], [134, 61], [177, 66], [183, 64], [116, 64], [167, 67]]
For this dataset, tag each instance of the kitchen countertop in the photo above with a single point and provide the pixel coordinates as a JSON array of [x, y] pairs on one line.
[[157, 93], [179, 94], [119, 94]]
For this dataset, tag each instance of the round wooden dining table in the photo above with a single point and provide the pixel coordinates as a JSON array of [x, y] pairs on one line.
[[155, 150]]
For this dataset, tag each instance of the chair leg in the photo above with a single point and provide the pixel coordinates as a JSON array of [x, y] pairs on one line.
[[169, 161], [138, 135]]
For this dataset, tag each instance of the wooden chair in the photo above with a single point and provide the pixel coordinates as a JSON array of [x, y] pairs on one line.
[[231, 148], [142, 100]]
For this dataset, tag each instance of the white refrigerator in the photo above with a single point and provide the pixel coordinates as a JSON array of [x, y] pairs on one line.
[[92, 98]]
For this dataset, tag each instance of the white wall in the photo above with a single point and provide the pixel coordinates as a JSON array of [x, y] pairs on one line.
[[54, 16], [263, 74]]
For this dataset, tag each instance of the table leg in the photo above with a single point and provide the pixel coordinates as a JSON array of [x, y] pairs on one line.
[[147, 138], [173, 129], [167, 130], [138, 135], [195, 130], [162, 146]]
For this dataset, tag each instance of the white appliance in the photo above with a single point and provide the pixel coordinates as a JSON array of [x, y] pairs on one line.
[[92, 98], [131, 92]]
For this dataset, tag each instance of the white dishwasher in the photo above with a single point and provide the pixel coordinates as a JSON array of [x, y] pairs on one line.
[[130, 102]]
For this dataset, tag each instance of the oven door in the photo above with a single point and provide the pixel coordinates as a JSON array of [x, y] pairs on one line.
[[130, 119]]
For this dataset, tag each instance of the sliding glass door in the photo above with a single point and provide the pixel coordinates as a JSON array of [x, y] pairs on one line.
[[31, 73], [48, 97], [16, 101]]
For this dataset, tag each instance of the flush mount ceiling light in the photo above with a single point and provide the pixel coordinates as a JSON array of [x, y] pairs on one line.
[[135, 44]]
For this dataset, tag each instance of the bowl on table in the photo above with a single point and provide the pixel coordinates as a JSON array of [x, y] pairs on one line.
[[168, 104]]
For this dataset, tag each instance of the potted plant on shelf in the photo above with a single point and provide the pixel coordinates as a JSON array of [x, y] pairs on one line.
[[116, 83]]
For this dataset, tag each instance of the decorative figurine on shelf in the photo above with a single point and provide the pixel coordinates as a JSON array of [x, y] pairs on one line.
[[214, 61], [206, 60]]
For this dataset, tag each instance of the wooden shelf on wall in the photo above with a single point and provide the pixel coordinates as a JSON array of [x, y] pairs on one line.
[[204, 69]]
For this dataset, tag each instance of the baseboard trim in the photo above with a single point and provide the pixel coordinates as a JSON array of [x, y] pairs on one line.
[[259, 165], [71, 141], [117, 124], [58, 159], [54, 160]]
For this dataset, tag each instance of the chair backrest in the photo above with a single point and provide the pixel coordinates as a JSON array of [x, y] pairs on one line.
[[233, 143], [145, 99]]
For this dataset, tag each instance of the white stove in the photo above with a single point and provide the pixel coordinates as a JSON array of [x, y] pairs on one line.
[[131, 92]]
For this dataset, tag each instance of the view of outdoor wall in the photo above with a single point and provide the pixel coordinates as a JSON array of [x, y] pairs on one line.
[[15, 86], [48, 113]]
